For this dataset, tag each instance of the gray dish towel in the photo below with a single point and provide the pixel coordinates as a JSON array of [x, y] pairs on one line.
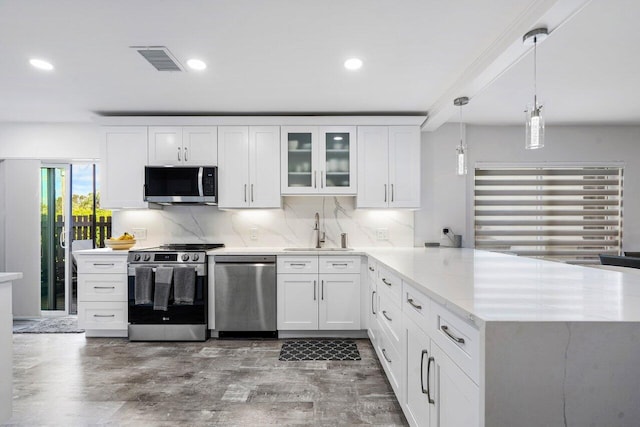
[[163, 288], [143, 285], [184, 285]]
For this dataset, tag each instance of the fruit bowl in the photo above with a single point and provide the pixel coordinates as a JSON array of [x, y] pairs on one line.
[[119, 244]]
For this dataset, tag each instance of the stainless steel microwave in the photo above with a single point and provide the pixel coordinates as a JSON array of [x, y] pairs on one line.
[[181, 184]]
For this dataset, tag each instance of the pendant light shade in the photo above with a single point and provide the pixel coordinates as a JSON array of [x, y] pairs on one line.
[[461, 149], [534, 120]]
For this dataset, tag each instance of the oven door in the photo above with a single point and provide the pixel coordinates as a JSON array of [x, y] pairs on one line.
[[144, 314]]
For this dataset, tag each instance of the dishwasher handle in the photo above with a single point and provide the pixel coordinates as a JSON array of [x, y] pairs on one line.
[[244, 259]]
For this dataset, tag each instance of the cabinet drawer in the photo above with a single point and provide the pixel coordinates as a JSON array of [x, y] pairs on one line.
[[390, 284], [339, 264], [391, 362], [297, 264], [390, 317], [458, 339], [416, 306], [102, 264], [102, 315], [102, 287], [372, 271]]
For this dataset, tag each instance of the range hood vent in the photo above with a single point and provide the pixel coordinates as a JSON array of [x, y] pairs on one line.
[[160, 57]]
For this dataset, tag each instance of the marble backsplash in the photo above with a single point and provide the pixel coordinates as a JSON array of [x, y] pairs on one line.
[[290, 226]]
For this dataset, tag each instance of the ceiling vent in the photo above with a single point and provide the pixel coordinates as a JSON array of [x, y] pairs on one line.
[[160, 57]]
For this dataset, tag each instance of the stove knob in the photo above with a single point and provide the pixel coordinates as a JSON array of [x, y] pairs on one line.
[[147, 257], [136, 257], [185, 257], [195, 257]]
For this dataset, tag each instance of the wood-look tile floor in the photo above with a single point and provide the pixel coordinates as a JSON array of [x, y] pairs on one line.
[[70, 380]]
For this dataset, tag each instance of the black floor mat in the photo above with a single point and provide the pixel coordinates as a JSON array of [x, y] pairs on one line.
[[319, 349]]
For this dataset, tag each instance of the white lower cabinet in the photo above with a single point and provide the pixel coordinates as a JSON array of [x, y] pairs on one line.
[[314, 301], [433, 370], [456, 396], [417, 404], [102, 293]]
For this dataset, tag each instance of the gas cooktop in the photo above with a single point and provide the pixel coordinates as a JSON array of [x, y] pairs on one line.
[[183, 247]]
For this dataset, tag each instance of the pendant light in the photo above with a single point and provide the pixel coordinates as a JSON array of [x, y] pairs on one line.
[[534, 124], [461, 149]]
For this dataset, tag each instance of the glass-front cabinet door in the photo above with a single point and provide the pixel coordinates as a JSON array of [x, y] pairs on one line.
[[299, 160], [318, 160], [338, 160]]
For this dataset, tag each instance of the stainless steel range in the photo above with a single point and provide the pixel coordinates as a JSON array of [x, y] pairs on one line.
[[168, 292]]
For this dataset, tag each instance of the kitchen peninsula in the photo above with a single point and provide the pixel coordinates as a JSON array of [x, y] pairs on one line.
[[470, 337], [6, 344]]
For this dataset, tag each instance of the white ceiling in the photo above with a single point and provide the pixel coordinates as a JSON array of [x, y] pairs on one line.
[[285, 56]]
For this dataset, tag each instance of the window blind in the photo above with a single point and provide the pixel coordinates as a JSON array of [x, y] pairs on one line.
[[569, 214]]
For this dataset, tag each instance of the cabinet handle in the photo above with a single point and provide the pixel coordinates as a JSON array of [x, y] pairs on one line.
[[179, 154], [314, 290], [103, 264], [429, 399], [245, 193], [251, 193], [344, 264], [297, 265], [421, 373], [392, 193], [104, 315], [372, 269], [445, 329], [384, 353], [321, 179], [314, 179], [373, 298], [104, 287], [385, 193], [322, 289], [186, 151], [410, 301], [385, 282], [384, 313]]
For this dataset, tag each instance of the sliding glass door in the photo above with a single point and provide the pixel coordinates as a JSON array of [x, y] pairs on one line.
[[53, 248], [71, 219]]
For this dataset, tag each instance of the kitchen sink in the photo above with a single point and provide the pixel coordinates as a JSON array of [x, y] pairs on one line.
[[318, 249]]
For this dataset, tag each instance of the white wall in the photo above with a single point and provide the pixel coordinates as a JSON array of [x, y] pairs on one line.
[[447, 198], [21, 209], [3, 213], [49, 141]]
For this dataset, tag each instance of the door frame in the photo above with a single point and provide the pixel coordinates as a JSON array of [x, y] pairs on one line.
[[66, 214]]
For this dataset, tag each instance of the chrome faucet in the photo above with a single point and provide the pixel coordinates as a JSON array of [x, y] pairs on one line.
[[316, 228]]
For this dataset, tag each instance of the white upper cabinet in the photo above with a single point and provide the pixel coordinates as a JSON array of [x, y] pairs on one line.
[[183, 146], [123, 153], [319, 160], [388, 167], [248, 173]]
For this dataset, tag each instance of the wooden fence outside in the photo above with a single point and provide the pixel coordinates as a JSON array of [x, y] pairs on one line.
[[82, 228]]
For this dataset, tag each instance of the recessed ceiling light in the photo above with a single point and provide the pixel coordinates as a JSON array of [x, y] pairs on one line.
[[41, 64], [196, 64], [353, 64]]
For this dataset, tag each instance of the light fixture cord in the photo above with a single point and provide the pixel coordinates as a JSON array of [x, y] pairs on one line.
[[535, 73], [461, 145]]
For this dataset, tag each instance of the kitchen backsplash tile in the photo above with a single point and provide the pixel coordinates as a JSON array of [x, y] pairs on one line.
[[290, 226]]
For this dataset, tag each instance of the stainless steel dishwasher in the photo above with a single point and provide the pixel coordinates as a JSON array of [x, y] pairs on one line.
[[245, 296]]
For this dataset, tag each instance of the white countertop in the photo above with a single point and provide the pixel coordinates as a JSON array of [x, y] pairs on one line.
[[9, 277], [487, 286], [497, 287]]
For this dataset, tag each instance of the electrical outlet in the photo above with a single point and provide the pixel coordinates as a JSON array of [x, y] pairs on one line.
[[382, 233], [253, 233], [139, 233]]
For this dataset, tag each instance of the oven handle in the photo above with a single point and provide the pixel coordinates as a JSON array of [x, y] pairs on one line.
[[200, 272]]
